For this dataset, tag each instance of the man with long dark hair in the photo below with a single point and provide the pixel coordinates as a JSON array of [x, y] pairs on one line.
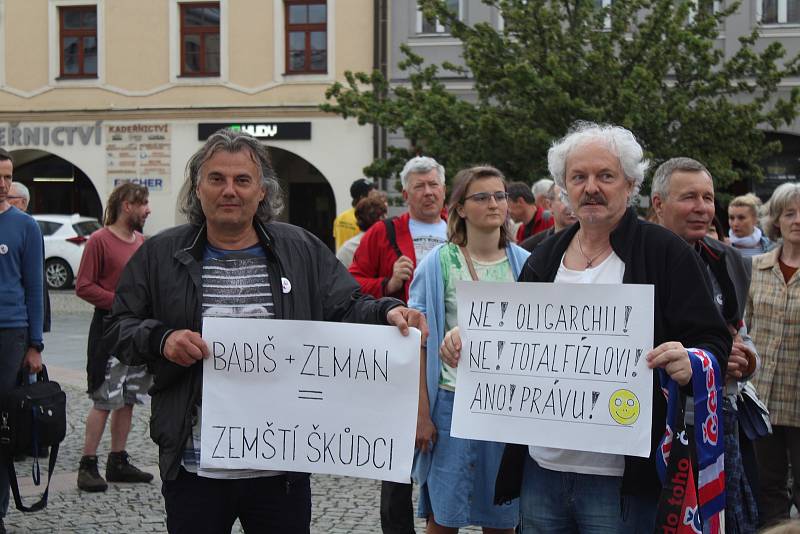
[[113, 386], [194, 271]]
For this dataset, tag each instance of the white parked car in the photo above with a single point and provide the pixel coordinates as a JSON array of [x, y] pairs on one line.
[[64, 239]]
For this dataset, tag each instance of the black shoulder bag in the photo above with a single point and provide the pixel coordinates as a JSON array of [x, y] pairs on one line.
[[32, 415]]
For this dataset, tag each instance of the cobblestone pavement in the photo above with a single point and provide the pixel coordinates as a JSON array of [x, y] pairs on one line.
[[339, 504]]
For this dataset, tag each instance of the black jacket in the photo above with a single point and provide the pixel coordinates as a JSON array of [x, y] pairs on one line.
[[684, 311], [536, 239], [160, 290], [732, 272]]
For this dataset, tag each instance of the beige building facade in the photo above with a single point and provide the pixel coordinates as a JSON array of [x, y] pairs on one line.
[[96, 92]]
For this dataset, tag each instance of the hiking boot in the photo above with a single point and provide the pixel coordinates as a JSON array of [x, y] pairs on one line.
[[119, 469], [89, 478]]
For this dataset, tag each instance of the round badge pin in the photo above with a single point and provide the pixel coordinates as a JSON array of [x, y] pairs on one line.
[[3, 248], [286, 284]]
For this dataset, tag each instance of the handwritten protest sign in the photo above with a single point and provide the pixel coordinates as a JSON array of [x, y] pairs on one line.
[[555, 365], [309, 396]]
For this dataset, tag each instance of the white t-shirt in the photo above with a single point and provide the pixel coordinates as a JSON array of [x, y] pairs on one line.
[[610, 271], [426, 236]]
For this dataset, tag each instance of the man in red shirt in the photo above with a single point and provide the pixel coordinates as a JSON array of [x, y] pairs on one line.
[[113, 386], [384, 264], [522, 209]]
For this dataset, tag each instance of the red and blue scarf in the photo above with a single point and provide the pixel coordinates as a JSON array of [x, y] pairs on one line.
[[685, 506]]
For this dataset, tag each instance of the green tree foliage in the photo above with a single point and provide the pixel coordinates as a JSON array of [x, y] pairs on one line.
[[653, 66]]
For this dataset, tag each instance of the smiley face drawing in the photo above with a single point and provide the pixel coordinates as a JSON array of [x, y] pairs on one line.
[[624, 407]]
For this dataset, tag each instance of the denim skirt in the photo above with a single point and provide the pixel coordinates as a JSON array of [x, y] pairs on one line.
[[459, 490]]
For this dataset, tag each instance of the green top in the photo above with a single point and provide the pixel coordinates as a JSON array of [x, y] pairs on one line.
[[454, 267]]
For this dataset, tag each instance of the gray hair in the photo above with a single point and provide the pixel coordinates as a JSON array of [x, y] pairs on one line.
[[22, 190], [782, 198], [551, 193], [664, 172], [232, 141], [420, 165], [541, 187], [620, 141]]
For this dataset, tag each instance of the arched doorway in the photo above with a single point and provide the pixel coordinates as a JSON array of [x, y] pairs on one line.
[[56, 185], [310, 202]]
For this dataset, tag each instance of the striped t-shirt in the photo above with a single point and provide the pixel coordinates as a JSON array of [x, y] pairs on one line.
[[235, 284]]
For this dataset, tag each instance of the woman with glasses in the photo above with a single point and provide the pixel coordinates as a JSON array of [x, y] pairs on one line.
[[456, 476]]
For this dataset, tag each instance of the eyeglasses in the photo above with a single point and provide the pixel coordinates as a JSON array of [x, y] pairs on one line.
[[499, 196]]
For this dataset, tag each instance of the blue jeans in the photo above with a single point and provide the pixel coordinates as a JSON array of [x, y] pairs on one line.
[[13, 345], [557, 502], [638, 514]]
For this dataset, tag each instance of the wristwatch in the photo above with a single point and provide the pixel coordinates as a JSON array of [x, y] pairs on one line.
[[38, 346]]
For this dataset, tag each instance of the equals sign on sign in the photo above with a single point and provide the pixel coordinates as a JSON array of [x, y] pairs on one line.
[[309, 394]]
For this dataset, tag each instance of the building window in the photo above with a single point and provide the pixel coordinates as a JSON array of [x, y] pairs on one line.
[[425, 25], [78, 41], [780, 11], [306, 36], [200, 39], [604, 4]]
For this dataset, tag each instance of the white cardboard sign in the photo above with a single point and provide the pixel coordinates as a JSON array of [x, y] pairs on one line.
[[555, 365], [309, 396]]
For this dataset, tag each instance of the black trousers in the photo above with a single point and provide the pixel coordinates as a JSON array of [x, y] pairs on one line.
[[775, 453], [397, 510], [266, 505]]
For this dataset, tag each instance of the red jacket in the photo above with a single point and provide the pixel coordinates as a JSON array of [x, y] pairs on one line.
[[374, 258], [540, 221]]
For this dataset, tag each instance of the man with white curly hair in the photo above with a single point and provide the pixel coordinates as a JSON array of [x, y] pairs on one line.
[[601, 168]]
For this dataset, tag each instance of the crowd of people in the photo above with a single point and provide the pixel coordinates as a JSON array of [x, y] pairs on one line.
[[726, 306], [729, 294]]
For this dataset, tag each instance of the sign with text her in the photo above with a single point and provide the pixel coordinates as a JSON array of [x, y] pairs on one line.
[[309, 396], [555, 365]]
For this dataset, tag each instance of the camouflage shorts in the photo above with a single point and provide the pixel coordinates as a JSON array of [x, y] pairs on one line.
[[123, 385]]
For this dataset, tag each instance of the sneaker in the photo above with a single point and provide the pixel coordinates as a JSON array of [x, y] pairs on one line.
[[120, 469], [89, 478]]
